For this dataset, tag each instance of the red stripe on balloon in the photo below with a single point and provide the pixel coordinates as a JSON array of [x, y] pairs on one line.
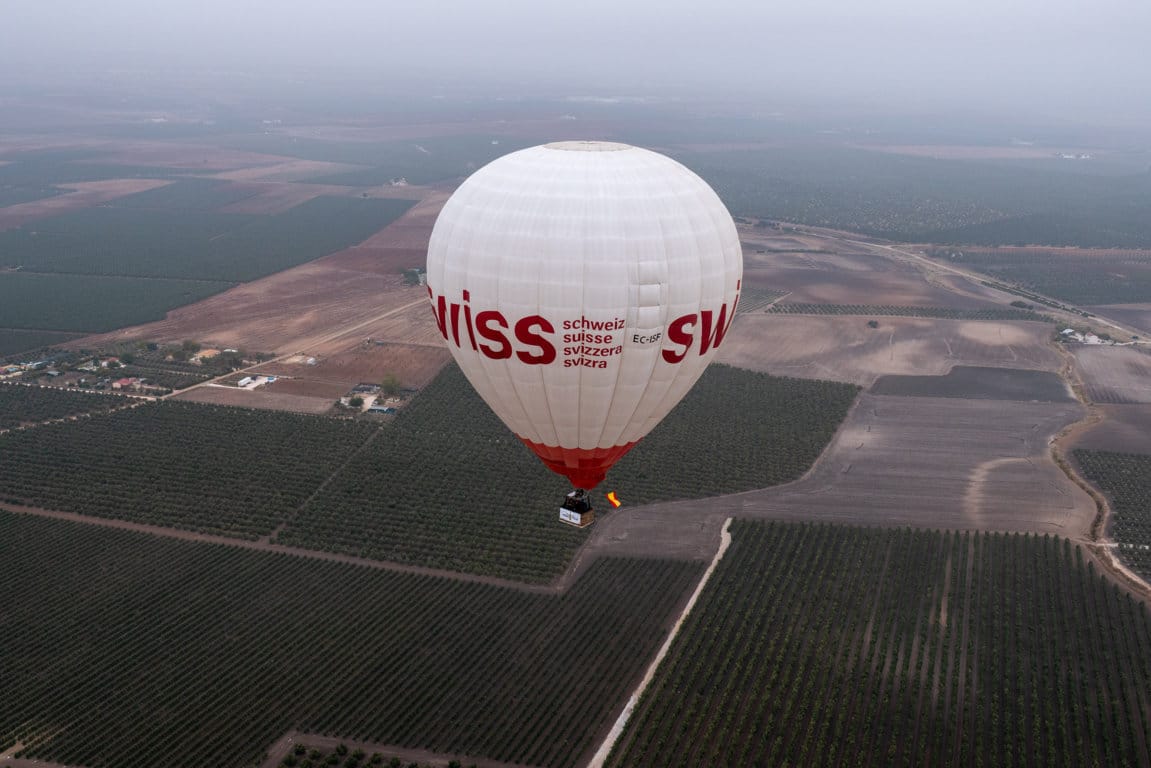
[[584, 467]]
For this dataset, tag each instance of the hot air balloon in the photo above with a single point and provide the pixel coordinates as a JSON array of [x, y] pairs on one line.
[[583, 287]]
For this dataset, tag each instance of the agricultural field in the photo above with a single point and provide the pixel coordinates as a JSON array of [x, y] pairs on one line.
[[424, 160], [21, 404], [193, 243], [838, 273], [323, 306], [830, 645], [1136, 315], [1081, 277], [923, 199], [947, 313], [14, 341], [734, 431], [215, 470], [1123, 428], [497, 515], [846, 348], [270, 397], [93, 303], [978, 383], [947, 462], [190, 194], [1126, 479], [1120, 375], [271, 643]]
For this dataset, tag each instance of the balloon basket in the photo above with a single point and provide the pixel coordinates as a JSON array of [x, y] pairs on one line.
[[576, 509]]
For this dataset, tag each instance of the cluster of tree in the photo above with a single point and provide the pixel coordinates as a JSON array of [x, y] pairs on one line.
[[29, 404], [157, 651], [448, 486], [831, 645], [304, 756], [1126, 479], [229, 471]]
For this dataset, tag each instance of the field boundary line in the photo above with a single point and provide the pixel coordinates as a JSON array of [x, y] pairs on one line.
[[600, 757], [271, 537], [282, 549]]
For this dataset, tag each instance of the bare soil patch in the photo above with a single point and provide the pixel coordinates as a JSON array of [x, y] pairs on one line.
[[1122, 429], [842, 348], [819, 270], [923, 462], [412, 365], [287, 171], [83, 195], [1114, 374], [980, 383], [278, 313], [266, 397]]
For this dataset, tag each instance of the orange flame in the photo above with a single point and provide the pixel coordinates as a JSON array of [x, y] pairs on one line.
[[614, 501]]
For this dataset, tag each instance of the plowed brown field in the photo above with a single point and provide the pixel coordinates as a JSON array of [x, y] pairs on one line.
[[844, 348]]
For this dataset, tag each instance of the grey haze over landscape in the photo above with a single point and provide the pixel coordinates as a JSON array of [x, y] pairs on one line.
[[1063, 59]]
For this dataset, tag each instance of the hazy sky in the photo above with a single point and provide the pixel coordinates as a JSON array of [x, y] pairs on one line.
[[1055, 55]]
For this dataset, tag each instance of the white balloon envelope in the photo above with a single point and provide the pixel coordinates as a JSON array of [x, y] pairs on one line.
[[583, 288]]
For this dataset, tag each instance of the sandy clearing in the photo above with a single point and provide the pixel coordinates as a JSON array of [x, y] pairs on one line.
[[413, 365], [1114, 374], [82, 195], [844, 348], [275, 314], [266, 397]]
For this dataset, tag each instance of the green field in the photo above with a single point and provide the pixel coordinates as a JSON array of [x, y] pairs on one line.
[[193, 244], [192, 194], [92, 303], [838, 646], [20, 404], [448, 486], [923, 199], [1126, 479], [13, 194], [14, 341], [230, 471], [121, 650], [1083, 279], [42, 169], [445, 485], [419, 161]]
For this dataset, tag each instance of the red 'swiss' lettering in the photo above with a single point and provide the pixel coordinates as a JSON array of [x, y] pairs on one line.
[[681, 331], [525, 335], [483, 327], [677, 334], [533, 339]]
